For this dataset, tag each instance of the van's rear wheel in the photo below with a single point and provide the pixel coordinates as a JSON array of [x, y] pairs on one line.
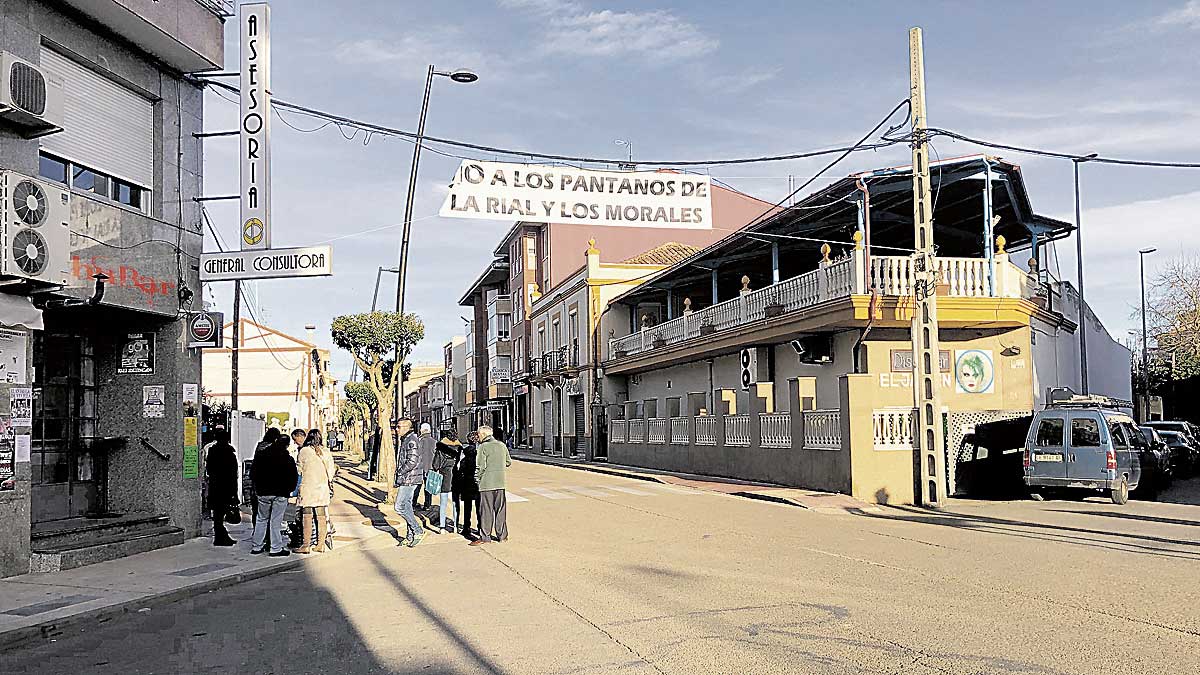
[[1120, 493]]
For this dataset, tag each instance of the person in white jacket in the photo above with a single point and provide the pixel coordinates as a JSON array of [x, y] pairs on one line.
[[317, 470]]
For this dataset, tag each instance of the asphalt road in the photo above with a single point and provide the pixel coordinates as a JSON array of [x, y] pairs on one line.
[[611, 575]]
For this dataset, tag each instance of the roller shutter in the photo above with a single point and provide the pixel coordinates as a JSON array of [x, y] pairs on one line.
[[106, 126]]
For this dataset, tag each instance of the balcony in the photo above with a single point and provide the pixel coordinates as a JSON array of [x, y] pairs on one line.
[[892, 276], [499, 304], [561, 361], [188, 36]]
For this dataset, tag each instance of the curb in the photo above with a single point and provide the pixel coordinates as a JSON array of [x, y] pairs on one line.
[[24, 636], [591, 468]]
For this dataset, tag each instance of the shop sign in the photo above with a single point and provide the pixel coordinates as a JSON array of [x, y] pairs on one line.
[[570, 387], [255, 127], [205, 330], [154, 401], [902, 361], [137, 354], [563, 194], [278, 263], [521, 389], [496, 405]]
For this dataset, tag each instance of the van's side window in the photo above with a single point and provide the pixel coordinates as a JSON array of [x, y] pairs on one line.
[[1050, 432], [1136, 439], [1085, 433], [1119, 437]]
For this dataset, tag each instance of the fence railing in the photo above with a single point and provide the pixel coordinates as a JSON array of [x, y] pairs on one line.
[[637, 431], [737, 430], [679, 431], [775, 430], [893, 428], [656, 431], [823, 429], [616, 431], [706, 430]]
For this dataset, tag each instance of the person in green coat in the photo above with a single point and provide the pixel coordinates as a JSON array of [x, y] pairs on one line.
[[491, 464]]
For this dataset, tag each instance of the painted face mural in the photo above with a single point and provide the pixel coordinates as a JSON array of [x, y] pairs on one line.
[[974, 372]]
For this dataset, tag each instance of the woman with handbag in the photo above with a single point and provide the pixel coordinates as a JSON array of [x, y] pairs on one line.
[[221, 467], [317, 468], [444, 459]]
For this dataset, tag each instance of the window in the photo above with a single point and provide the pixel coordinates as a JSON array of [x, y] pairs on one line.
[[531, 253], [1085, 433], [1050, 432], [557, 334], [542, 339], [85, 179]]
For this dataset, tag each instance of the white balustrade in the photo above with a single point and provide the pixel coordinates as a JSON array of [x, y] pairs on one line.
[[823, 429], [965, 277], [616, 431], [737, 430], [679, 431], [637, 431], [656, 431], [706, 430], [775, 430], [893, 428], [840, 278]]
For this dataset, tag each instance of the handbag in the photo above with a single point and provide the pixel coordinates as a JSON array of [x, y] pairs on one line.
[[433, 482], [233, 514]]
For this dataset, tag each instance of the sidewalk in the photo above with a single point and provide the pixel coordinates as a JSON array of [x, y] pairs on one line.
[[820, 502], [45, 605]]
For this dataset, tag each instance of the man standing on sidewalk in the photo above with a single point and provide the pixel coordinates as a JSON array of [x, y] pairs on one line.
[[221, 466], [426, 447], [409, 476], [491, 464], [274, 475]]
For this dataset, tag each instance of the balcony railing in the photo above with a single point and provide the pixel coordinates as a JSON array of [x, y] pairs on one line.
[[891, 275], [679, 431], [737, 430], [893, 428], [706, 431], [616, 431], [637, 431], [656, 431], [823, 429], [557, 361], [775, 430]]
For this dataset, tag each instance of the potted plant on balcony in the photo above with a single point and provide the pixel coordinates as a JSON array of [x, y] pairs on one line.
[[707, 328], [774, 306], [659, 341]]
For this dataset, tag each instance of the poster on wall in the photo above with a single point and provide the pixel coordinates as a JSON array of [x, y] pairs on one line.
[[24, 445], [191, 400], [191, 448], [137, 355], [154, 400], [974, 371], [8, 466], [13, 345], [21, 406]]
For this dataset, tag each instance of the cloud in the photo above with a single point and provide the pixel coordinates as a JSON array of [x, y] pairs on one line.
[[577, 31], [410, 54], [735, 83], [1187, 16]]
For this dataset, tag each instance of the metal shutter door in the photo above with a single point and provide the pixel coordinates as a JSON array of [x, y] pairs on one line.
[[106, 126]]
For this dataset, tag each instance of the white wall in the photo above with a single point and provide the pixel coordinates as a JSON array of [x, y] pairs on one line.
[[1056, 353]]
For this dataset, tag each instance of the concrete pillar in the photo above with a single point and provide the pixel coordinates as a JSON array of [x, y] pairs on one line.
[[882, 476]]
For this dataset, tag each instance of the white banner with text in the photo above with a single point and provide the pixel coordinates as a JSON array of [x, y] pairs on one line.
[[562, 194]]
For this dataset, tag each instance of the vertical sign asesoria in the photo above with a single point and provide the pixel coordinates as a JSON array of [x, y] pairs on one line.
[[255, 128]]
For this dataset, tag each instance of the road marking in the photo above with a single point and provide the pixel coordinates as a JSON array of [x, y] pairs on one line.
[[511, 496], [586, 491], [549, 494], [632, 491], [676, 489]]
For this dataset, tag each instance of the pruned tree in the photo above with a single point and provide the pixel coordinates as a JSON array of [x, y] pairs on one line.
[[371, 338], [1173, 315]]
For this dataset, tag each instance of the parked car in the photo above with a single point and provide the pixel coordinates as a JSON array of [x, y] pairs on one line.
[[1190, 431], [989, 459], [1085, 443], [1155, 457], [1183, 453]]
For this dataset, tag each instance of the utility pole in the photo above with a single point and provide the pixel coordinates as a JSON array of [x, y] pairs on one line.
[[929, 463], [237, 336]]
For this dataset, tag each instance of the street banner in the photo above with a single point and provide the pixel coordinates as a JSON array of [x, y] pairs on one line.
[[255, 126], [276, 263], [563, 194]]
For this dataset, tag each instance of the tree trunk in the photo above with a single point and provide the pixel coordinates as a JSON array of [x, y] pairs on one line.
[[387, 451]]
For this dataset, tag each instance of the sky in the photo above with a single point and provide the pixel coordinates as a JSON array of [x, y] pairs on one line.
[[702, 80]]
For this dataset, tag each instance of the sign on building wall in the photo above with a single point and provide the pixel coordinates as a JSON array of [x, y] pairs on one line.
[[8, 460], [974, 371], [205, 330], [278, 263], [191, 448], [255, 129], [21, 405], [154, 401], [13, 345], [902, 360], [137, 354], [505, 191]]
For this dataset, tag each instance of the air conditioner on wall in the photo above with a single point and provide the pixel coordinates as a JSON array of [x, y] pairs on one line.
[[30, 100], [35, 229]]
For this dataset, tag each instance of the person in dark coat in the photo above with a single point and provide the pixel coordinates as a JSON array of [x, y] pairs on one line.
[[268, 438], [274, 475], [221, 467], [464, 487], [445, 456]]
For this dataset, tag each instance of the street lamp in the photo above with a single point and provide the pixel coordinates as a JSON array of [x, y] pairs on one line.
[[1145, 352], [628, 146], [1083, 380], [463, 76]]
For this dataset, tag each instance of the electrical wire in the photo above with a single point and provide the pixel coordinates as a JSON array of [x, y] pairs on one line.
[[388, 131], [934, 131], [175, 248]]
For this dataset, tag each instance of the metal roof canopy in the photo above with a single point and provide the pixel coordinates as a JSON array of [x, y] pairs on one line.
[[831, 215]]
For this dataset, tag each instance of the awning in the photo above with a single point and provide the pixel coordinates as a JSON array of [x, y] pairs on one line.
[[18, 310]]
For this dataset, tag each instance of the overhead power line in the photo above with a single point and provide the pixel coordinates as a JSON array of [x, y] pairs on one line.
[[934, 131]]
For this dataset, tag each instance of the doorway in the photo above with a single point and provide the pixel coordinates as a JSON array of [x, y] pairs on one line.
[[548, 429], [66, 459], [580, 447]]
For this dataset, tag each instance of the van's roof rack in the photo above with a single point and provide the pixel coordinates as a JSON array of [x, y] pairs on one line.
[[1092, 401]]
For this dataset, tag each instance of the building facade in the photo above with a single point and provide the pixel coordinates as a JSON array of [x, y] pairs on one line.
[[102, 399], [281, 377], [784, 354]]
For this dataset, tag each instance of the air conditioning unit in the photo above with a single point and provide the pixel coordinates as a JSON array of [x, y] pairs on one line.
[[35, 229], [30, 100]]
